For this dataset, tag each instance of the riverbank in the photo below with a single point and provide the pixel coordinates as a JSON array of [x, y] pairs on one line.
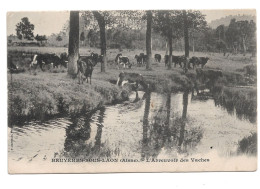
[[45, 95], [42, 95]]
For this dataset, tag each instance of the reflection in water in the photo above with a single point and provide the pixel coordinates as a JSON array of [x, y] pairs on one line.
[[183, 120], [239, 102], [167, 131], [79, 133]]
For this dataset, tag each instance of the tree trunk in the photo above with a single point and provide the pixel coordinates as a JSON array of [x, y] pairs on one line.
[[193, 44], [168, 111], [244, 45], [170, 48], [102, 26], [186, 34], [166, 48], [145, 146], [73, 43], [184, 116], [149, 39]]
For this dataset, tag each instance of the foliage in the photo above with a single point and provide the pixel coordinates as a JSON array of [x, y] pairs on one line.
[[248, 145], [58, 38], [41, 38], [24, 29]]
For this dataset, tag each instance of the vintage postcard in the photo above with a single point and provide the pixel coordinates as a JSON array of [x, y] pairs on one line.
[[94, 91]]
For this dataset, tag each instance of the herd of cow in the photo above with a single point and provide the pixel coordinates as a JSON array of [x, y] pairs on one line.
[[86, 64], [141, 60]]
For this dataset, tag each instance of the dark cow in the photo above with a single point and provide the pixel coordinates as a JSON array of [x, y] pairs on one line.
[[208, 77], [176, 60], [47, 59], [139, 60], [85, 68], [157, 58], [96, 58], [64, 59], [10, 65], [203, 61], [196, 61], [143, 58]]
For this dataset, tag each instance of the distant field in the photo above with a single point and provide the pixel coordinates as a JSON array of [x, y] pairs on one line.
[[217, 60]]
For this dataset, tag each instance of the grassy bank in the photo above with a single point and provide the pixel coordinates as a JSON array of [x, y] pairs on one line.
[[49, 94]]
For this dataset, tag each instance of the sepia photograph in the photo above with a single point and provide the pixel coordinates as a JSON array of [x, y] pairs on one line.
[[112, 91]]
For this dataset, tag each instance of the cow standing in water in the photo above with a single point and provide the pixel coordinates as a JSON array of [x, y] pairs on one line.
[[132, 78]]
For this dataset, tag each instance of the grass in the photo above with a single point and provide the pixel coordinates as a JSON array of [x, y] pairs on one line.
[[242, 101], [248, 145], [48, 94]]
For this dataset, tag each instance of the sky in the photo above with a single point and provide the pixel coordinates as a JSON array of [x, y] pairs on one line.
[[47, 23]]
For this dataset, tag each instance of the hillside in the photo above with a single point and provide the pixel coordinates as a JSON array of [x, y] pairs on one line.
[[226, 20]]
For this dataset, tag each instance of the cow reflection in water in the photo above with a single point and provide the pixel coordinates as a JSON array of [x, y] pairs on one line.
[[166, 133], [78, 134]]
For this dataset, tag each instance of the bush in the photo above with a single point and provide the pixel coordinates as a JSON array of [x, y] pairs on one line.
[[248, 145]]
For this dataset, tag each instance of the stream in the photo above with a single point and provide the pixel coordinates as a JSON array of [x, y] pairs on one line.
[[159, 126]]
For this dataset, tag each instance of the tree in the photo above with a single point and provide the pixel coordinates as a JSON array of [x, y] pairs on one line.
[[73, 43], [58, 38], [232, 36], [195, 23], [92, 38], [169, 25], [246, 30], [102, 27], [186, 33], [220, 32], [108, 20], [24, 29], [41, 38], [149, 38]]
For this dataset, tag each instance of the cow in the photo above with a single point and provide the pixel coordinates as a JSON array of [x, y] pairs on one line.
[[48, 59], [157, 58], [139, 60], [10, 65], [176, 60], [208, 77], [203, 61], [122, 60], [96, 58], [85, 68], [196, 61], [143, 58], [38, 60], [132, 78], [64, 59]]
